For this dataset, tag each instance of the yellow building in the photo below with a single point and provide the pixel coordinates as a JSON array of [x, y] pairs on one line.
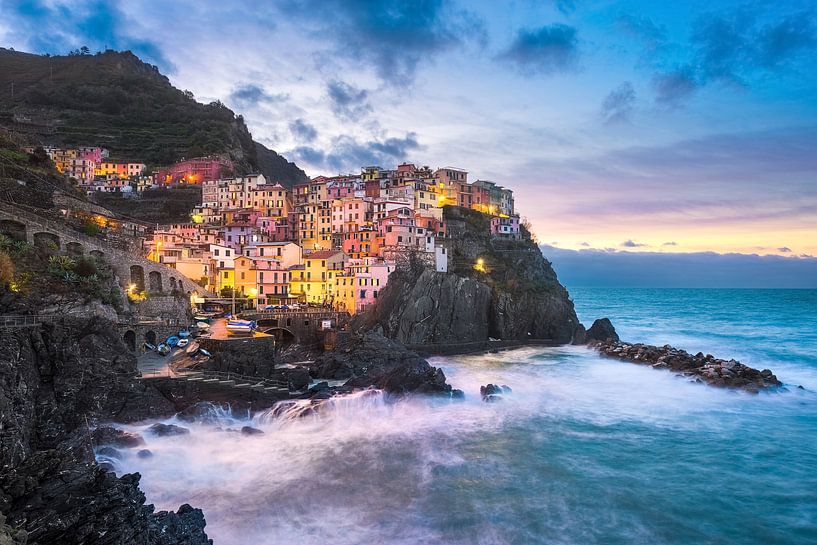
[[244, 276], [314, 281], [225, 278]]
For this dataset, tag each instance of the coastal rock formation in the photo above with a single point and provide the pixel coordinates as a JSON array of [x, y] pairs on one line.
[[705, 368], [373, 360], [56, 380], [601, 330], [495, 288]]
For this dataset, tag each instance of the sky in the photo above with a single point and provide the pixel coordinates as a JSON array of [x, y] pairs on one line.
[[632, 127]]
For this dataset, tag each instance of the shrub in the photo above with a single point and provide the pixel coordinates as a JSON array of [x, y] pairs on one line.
[[86, 267], [6, 270], [60, 264]]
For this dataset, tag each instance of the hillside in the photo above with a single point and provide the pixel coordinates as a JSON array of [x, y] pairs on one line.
[[115, 100]]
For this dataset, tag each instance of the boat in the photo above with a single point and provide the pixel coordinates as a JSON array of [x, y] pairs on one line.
[[201, 318], [183, 334], [240, 326], [163, 349], [172, 341], [204, 352], [149, 346], [202, 325], [192, 348], [182, 343]]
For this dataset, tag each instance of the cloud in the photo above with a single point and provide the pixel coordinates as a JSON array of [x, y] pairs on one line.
[[784, 250], [546, 50], [303, 131], [618, 105], [794, 34], [733, 48], [393, 36], [348, 102], [631, 244], [673, 243], [566, 7], [585, 244], [59, 26], [672, 88], [652, 35], [680, 270], [252, 95], [347, 154]]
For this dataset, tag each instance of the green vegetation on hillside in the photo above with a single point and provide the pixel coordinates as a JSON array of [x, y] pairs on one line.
[[116, 101]]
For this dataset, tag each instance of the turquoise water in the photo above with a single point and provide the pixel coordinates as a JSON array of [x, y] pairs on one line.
[[585, 451]]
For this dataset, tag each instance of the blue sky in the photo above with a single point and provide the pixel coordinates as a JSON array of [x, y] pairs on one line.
[[633, 126]]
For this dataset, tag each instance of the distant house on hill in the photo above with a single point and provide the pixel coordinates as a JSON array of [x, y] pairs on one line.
[[195, 170]]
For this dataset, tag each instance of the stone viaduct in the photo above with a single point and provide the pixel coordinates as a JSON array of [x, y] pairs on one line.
[[131, 269]]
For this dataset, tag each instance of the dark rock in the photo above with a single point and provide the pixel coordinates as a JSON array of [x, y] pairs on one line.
[[144, 453], [492, 398], [109, 452], [457, 394], [203, 412], [184, 527], [516, 297], [107, 435], [580, 335], [55, 381], [490, 389], [506, 389], [602, 330], [703, 368], [298, 378], [249, 430], [378, 362], [167, 430]]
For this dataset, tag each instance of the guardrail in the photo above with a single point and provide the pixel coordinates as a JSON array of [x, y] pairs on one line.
[[221, 376], [29, 320]]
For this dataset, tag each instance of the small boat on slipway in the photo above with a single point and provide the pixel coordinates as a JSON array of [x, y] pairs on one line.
[[240, 326]]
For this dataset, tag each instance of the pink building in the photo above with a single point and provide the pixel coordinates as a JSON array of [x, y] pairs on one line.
[[507, 227], [351, 214], [272, 281], [398, 228], [195, 170], [360, 243]]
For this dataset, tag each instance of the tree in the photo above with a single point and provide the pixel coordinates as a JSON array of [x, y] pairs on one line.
[[84, 50], [6, 270]]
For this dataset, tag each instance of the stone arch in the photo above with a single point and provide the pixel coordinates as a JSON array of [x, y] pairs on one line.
[[137, 277], [172, 284], [155, 281], [47, 241], [130, 340], [97, 253], [282, 335], [74, 249], [13, 229], [150, 337]]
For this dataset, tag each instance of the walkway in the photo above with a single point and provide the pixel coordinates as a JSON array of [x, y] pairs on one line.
[[224, 379]]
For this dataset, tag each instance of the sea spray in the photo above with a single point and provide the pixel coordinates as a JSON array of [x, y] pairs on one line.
[[584, 450]]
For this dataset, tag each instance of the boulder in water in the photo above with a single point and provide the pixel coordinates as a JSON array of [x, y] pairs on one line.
[[144, 453], [107, 435], [109, 452], [457, 394], [602, 330], [167, 430], [249, 430]]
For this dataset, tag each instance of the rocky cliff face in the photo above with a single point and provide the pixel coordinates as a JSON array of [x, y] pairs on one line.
[[494, 288], [56, 381]]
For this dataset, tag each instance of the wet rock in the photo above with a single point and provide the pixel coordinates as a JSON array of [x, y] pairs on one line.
[[490, 389], [167, 430], [602, 330], [203, 412], [108, 435], [109, 452], [492, 398], [144, 453], [457, 394], [700, 367], [184, 527], [298, 378], [506, 389], [378, 362], [249, 430]]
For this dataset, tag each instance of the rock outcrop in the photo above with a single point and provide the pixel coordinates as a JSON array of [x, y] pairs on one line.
[[495, 288], [704, 368], [56, 381], [601, 330], [373, 360]]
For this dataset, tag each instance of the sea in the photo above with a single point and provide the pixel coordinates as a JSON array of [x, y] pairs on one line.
[[585, 450]]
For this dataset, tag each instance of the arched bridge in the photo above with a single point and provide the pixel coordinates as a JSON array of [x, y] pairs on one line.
[[131, 269], [301, 326]]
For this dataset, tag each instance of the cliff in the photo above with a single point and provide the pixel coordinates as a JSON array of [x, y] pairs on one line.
[[115, 100], [56, 380], [502, 289]]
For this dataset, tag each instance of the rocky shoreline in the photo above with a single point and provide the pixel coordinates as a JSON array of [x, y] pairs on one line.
[[701, 367]]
